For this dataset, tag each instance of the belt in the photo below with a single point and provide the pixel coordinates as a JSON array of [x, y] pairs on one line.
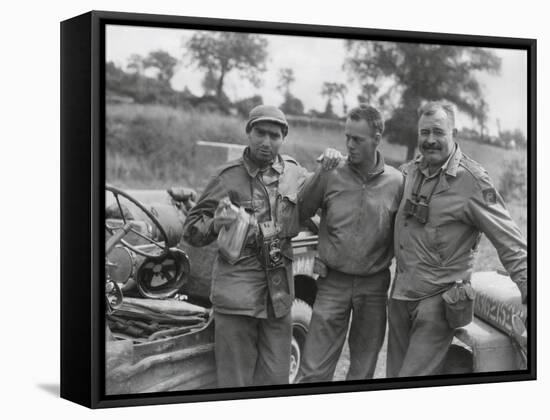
[[359, 275]]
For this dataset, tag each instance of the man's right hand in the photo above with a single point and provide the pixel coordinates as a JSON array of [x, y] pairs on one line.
[[330, 159], [225, 215]]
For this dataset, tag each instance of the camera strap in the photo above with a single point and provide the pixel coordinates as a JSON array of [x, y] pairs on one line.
[[271, 258], [418, 183], [275, 268]]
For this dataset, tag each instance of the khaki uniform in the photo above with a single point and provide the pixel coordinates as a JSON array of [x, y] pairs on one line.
[[357, 215], [355, 243], [252, 344], [432, 256]]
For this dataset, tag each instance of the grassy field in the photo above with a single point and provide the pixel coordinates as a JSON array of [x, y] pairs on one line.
[[150, 145], [490, 157]]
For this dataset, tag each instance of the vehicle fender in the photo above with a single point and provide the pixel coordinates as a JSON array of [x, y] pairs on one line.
[[303, 265]]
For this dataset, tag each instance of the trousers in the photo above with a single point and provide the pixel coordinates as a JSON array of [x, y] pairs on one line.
[[252, 351], [419, 337], [340, 296]]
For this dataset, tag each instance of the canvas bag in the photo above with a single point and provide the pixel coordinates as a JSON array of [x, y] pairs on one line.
[[459, 304]]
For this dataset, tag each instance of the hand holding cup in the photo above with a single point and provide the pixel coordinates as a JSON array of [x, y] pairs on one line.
[[225, 215]]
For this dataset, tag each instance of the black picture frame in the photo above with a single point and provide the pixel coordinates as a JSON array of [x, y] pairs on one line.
[[83, 203]]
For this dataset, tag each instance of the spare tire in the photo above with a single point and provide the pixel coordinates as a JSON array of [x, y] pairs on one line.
[[301, 317]]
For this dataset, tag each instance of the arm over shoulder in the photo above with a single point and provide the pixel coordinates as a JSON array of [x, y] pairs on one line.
[[310, 196]]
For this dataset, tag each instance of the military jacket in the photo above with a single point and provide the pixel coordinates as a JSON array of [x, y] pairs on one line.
[[464, 204], [241, 287], [357, 215]]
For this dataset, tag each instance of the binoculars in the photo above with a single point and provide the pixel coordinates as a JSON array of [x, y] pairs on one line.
[[417, 210]]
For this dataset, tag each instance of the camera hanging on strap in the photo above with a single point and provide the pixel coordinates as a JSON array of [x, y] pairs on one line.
[[272, 260]]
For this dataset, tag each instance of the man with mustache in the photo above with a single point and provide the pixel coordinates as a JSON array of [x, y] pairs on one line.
[[252, 294], [448, 201], [358, 202]]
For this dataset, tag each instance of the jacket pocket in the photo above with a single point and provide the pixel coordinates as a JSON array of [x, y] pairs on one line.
[[287, 215]]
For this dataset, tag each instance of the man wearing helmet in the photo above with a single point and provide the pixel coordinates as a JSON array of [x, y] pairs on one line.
[[253, 295]]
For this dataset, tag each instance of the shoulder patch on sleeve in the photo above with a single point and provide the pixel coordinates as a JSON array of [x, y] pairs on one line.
[[490, 196]]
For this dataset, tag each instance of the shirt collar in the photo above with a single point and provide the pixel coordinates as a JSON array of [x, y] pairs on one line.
[[454, 161], [378, 166], [450, 166], [277, 165], [380, 163]]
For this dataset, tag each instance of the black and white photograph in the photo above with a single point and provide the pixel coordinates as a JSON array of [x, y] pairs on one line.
[[289, 210], [274, 210]]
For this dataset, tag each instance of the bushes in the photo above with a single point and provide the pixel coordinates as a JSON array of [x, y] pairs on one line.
[[315, 123], [154, 145], [292, 105], [245, 105], [513, 180]]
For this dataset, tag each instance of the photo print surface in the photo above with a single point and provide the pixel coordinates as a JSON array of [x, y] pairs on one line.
[[288, 210]]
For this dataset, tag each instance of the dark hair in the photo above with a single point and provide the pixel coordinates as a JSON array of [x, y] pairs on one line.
[[431, 107], [371, 115]]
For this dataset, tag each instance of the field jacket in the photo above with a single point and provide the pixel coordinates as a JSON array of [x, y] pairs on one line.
[[241, 287], [464, 204], [357, 215]]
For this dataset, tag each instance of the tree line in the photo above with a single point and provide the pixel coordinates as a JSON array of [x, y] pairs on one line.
[[396, 77]]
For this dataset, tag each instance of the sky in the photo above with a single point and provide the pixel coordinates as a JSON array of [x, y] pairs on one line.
[[314, 61]]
